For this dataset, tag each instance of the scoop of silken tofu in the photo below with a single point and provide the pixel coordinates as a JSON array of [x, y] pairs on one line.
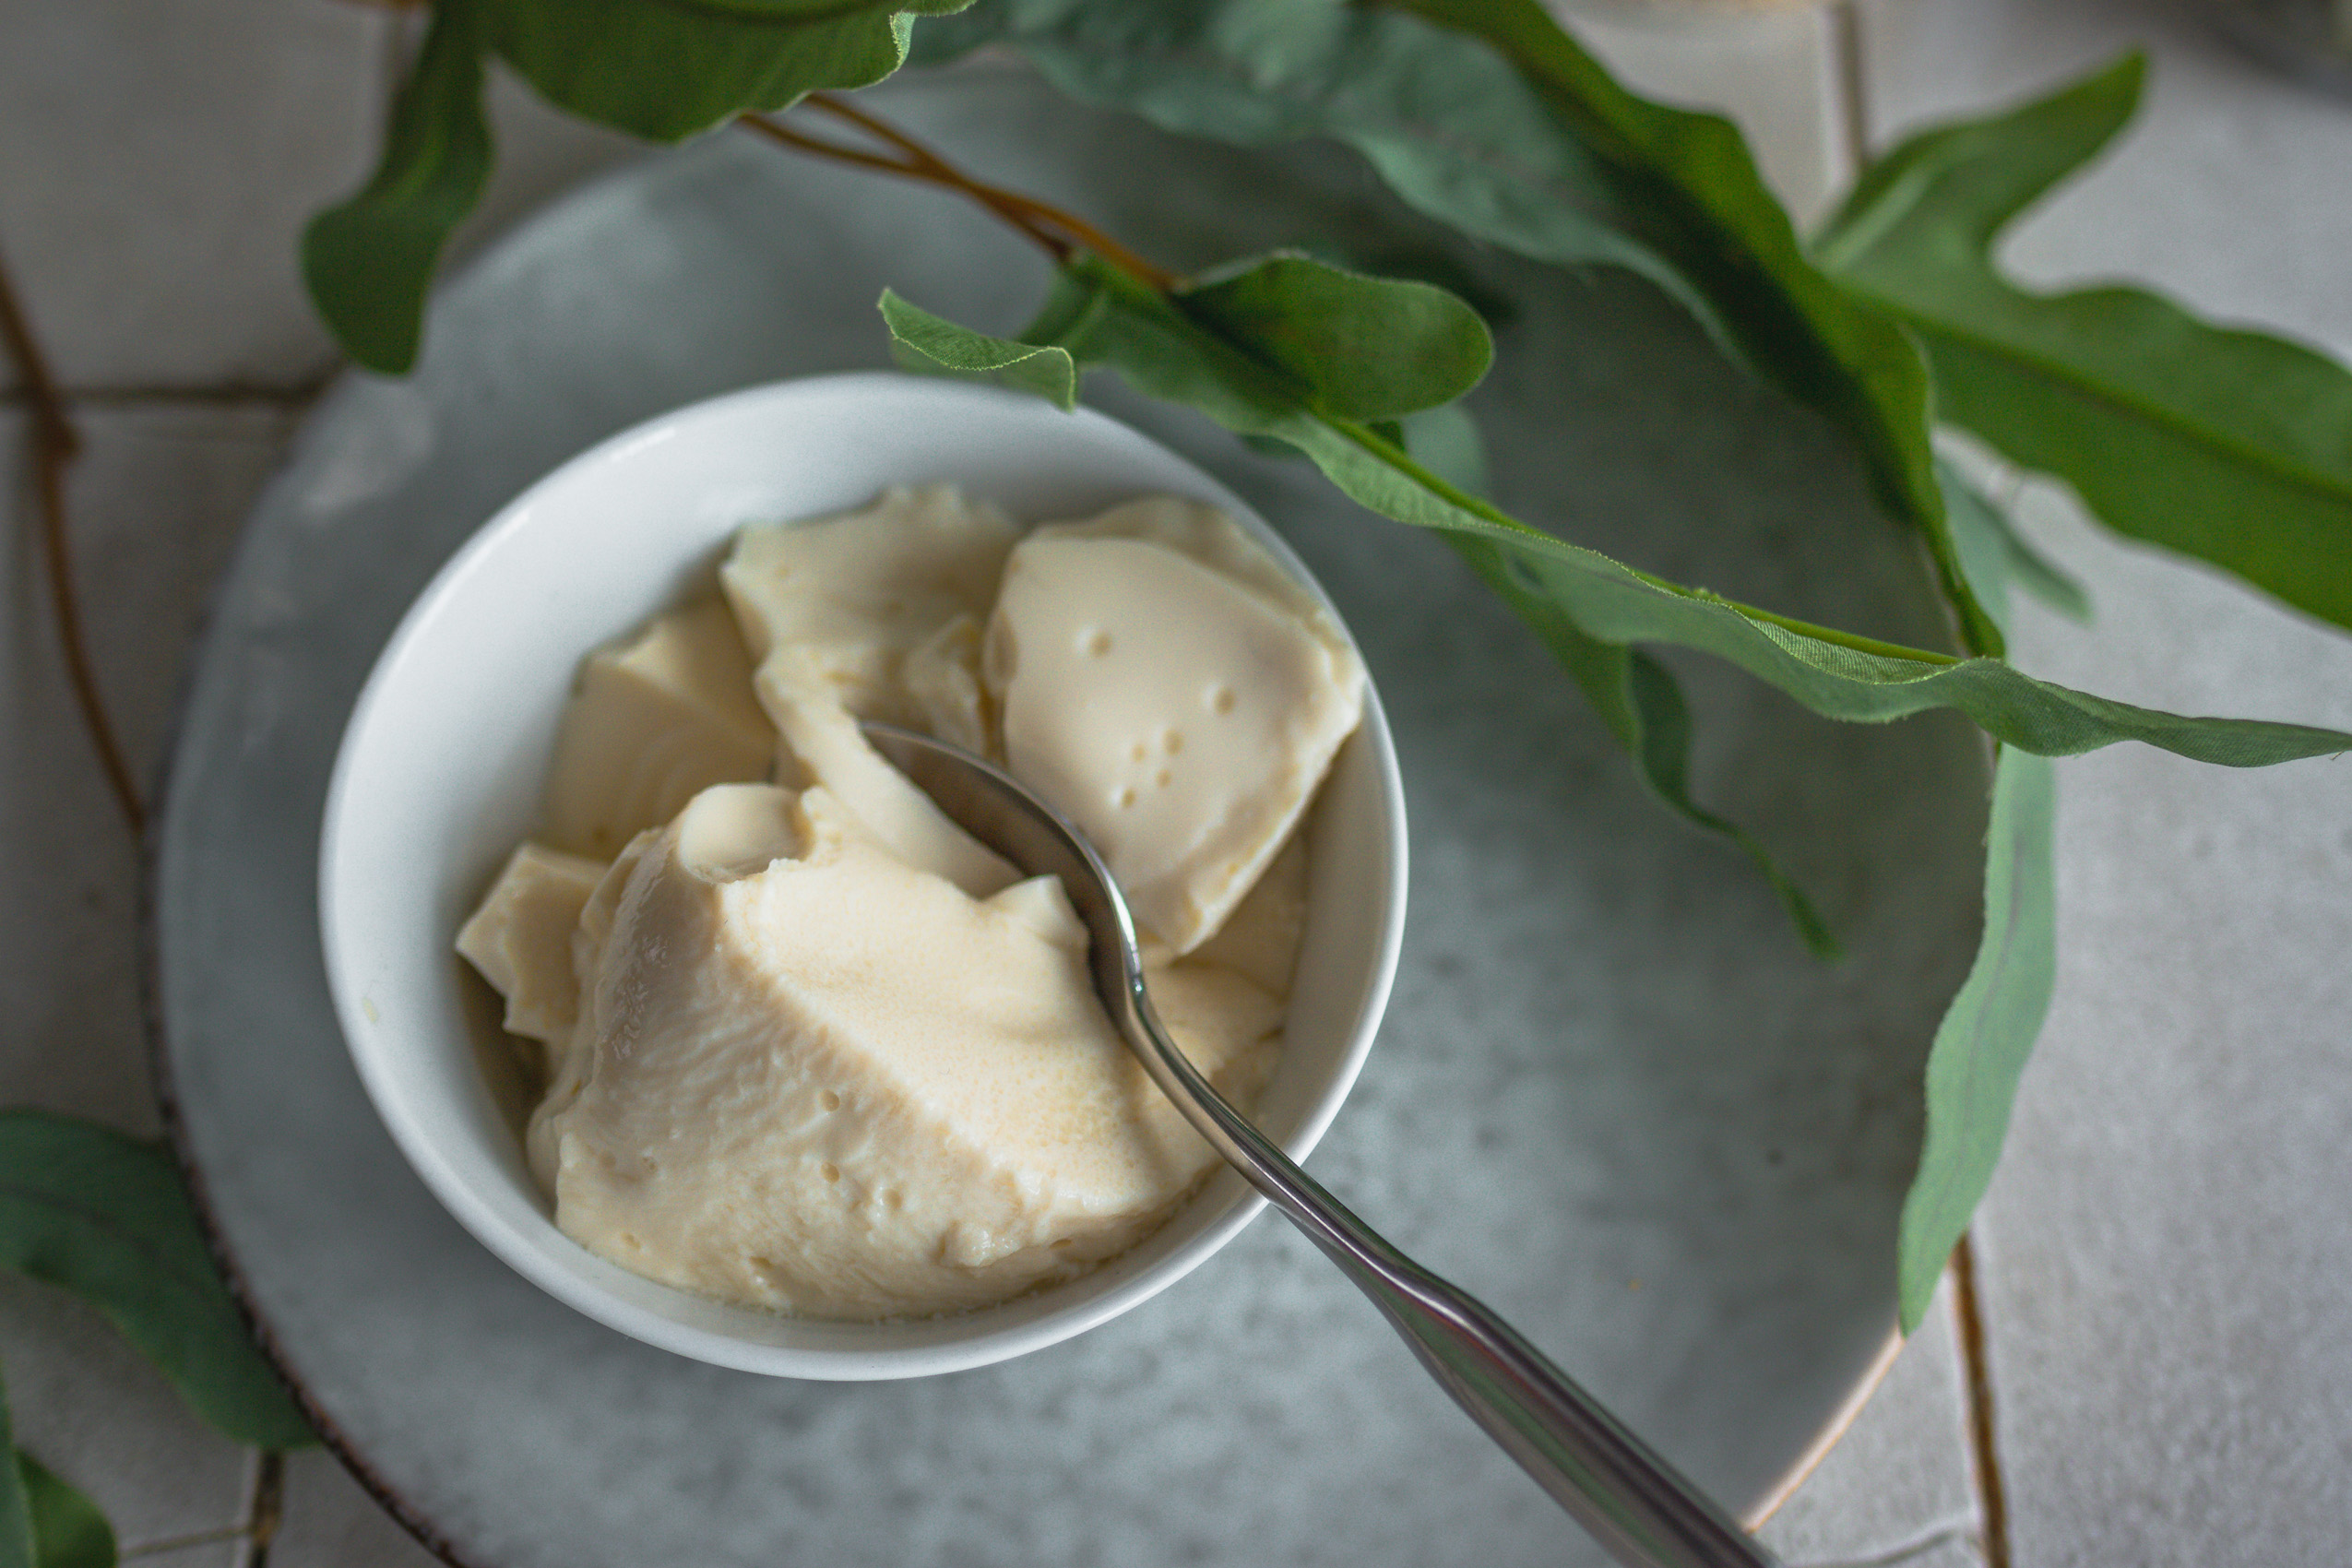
[[653, 722], [1164, 683], [875, 614], [521, 938], [767, 1101], [868, 601]]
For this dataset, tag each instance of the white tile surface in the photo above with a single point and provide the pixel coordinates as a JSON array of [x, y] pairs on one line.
[[331, 1522], [1899, 1477], [2168, 1272], [1773, 71], [2164, 1251], [155, 501], [89, 1407], [160, 161]]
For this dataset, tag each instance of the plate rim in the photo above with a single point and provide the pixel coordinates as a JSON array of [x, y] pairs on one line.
[[340, 389]]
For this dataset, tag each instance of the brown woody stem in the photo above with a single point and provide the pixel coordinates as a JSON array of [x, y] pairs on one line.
[[55, 444], [1054, 231]]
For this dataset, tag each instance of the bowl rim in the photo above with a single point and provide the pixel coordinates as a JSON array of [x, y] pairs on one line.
[[529, 1255]]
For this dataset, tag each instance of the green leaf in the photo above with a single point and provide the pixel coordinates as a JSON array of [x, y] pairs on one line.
[[1992, 1023], [17, 1537], [667, 69], [1446, 442], [662, 69], [1995, 555], [1360, 348], [1448, 125], [1688, 186], [1981, 1046], [107, 1218], [67, 1529], [368, 262], [1166, 354], [2230, 447], [1636, 697], [1529, 144], [1640, 703], [925, 342]]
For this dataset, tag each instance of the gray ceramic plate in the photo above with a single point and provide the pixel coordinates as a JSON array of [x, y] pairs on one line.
[[1613, 1096]]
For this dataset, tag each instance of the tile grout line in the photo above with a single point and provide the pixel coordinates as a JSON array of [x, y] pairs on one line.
[[1984, 1450]]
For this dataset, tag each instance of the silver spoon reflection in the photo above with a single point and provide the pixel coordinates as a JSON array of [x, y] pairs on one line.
[[1631, 1500]]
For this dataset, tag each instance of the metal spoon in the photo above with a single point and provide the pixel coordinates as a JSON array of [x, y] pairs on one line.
[[1631, 1500]]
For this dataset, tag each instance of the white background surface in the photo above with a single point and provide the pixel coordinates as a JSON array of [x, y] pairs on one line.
[[2164, 1252]]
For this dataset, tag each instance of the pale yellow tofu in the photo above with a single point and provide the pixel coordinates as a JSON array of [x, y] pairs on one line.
[[1163, 683], [877, 615], [521, 938], [652, 723]]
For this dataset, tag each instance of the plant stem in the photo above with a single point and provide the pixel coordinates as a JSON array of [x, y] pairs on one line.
[[55, 444], [1056, 232]]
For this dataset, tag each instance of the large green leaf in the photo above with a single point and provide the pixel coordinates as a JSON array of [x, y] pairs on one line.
[[666, 70], [1108, 318], [17, 1540], [107, 1218], [1995, 555], [931, 344], [1446, 123], [663, 69], [1360, 348], [2229, 445], [1990, 1026], [369, 261], [1636, 697], [67, 1529], [1485, 115], [1989, 1030], [1640, 702]]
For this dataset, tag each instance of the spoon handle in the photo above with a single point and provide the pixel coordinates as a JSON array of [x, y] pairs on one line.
[[1629, 1499]]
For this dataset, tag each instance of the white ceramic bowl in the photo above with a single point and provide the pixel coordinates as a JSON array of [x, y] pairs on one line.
[[439, 771]]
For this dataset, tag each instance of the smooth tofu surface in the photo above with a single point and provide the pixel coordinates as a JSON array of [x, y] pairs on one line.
[[521, 938], [1158, 689], [652, 723], [841, 1086]]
